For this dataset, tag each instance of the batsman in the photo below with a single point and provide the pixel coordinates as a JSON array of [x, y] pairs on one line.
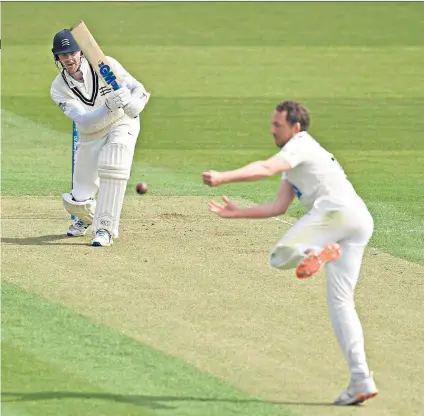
[[108, 122]]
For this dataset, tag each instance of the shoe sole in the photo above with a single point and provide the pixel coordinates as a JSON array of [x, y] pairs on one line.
[[360, 398], [69, 234], [97, 244], [313, 263]]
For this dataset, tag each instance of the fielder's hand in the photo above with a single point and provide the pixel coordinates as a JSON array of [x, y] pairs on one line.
[[212, 178], [226, 211], [118, 99]]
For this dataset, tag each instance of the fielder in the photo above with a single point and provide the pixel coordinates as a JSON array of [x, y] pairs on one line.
[[334, 231], [108, 124]]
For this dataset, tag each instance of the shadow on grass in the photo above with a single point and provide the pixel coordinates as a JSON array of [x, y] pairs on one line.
[[43, 240], [153, 402]]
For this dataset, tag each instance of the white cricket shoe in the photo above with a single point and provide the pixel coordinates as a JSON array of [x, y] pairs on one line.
[[358, 392], [78, 228], [102, 239]]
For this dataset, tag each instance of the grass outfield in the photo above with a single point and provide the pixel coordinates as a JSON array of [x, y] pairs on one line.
[[183, 315]]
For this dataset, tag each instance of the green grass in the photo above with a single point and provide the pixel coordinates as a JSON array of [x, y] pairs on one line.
[[77, 366], [216, 71], [60, 392], [187, 23]]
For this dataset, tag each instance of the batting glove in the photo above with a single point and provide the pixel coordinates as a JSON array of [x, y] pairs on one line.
[[137, 104], [118, 99]]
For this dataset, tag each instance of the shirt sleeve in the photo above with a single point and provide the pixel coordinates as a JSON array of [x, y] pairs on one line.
[[76, 111], [293, 153]]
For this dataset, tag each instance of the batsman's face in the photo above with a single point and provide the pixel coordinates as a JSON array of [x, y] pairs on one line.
[[281, 129], [70, 61]]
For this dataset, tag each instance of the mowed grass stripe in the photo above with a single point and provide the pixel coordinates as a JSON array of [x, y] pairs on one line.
[[231, 125], [36, 387], [78, 359], [11, 409], [245, 71], [225, 23]]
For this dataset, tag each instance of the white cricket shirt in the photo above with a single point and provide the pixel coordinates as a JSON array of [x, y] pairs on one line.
[[76, 98], [315, 172]]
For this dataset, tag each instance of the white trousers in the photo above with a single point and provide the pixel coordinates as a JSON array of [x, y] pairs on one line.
[[86, 179], [351, 225]]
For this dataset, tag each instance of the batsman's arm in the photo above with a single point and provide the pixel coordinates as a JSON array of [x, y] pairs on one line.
[[76, 111], [274, 208]]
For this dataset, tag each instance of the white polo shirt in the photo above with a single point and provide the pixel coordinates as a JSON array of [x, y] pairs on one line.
[[315, 173]]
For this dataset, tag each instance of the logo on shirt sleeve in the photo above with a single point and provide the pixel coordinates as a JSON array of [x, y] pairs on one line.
[[62, 106], [297, 190]]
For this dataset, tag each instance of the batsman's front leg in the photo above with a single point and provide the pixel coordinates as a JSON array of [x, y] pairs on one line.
[[114, 168]]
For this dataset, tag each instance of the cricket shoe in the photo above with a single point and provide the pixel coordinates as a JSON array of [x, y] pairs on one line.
[[102, 239], [78, 228], [358, 392], [313, 263]]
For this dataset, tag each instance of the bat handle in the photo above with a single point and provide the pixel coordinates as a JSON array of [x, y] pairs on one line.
[[115, 86]]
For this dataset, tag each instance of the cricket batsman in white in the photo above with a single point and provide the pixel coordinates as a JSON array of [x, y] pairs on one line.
[[108, 123], [334, 232]]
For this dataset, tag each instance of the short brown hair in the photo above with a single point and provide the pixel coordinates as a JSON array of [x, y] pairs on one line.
[[296, 113]]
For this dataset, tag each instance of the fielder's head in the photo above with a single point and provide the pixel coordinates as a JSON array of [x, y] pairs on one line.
[[288, 119], [66, 51]]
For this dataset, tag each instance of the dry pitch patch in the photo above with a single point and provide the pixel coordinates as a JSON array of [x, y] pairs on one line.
[[200, 288]]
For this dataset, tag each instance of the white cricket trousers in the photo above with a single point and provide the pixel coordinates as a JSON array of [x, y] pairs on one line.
[[351, 225], [86, 179]]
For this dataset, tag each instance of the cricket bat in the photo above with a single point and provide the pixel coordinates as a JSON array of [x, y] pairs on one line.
[[95, 55]]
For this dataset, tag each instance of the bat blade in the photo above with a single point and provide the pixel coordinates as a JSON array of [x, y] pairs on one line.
[[95, 55]]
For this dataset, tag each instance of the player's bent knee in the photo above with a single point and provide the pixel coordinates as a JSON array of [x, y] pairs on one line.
[[284, 257], [83, 210], [115, 161]]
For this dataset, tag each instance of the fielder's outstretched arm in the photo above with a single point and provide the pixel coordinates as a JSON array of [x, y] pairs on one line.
[[274, 208], [252, 172]]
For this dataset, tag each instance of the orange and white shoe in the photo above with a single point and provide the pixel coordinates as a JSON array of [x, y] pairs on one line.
[[313, 263], [358, 392]]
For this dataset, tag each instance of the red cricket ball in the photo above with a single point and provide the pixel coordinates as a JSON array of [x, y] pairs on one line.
[[141, 188]]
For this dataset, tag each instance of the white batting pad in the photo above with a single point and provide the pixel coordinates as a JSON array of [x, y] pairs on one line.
[[83, 210], [115, 161], [114, 170]]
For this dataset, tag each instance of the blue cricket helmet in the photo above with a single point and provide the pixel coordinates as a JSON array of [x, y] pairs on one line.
[[64, 42]]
